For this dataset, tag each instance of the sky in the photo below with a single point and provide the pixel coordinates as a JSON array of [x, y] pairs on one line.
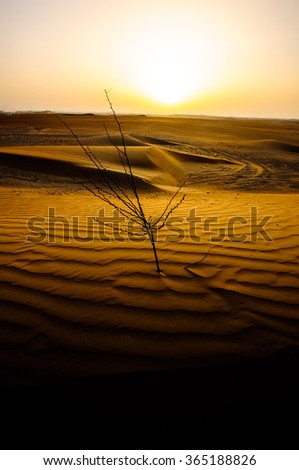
[[212, 57]]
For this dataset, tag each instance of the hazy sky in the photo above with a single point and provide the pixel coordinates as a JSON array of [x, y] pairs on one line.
[[221, 57]]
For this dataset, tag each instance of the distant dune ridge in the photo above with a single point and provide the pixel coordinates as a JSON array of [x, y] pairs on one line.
[[77, 308]]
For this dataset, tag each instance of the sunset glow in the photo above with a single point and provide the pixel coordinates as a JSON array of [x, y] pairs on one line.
[[203, 57]]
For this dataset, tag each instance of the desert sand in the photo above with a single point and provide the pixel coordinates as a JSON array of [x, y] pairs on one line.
[[86, 309]]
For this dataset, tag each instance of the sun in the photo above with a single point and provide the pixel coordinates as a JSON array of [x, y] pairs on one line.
[[168, 66], [167, 78], [168, 75], [170, 60]]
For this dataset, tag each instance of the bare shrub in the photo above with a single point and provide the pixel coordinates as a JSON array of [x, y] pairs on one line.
[[125, 198]]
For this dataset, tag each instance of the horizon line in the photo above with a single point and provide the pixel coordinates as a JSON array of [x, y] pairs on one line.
[[179, 115]]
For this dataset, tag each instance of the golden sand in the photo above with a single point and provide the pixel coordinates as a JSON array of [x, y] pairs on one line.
[[75, 307]]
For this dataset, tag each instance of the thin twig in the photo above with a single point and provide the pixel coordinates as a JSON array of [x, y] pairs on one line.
[[201, 260]]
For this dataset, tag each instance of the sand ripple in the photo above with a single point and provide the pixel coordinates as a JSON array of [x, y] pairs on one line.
[[61, 301]]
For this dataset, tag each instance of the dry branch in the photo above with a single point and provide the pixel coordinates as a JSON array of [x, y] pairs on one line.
[[111, 192]]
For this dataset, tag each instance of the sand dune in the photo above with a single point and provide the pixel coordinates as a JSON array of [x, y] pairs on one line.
[[76, 304], [155, 164], [272, 144]]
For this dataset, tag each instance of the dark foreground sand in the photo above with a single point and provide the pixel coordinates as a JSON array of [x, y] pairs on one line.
[[97, 350]]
